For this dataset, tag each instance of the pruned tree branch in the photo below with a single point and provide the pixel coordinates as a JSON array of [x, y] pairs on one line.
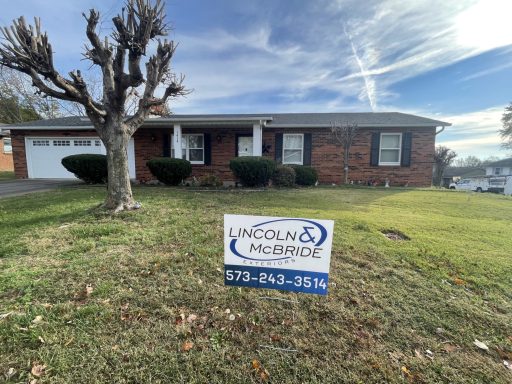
[[157, 72], [26, 49]]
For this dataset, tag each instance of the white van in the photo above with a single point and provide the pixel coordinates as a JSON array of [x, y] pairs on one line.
[[508, 186], [494, 184]]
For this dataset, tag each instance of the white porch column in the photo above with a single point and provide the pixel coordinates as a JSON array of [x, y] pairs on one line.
[[176, 141], [257, 139]]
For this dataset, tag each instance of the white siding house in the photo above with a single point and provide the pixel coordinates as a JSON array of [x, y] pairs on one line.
[[499, 168]]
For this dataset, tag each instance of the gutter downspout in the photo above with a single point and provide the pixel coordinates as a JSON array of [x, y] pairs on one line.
[[442, 129]]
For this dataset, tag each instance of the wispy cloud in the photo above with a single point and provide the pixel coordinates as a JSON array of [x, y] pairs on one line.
[[474, 133]]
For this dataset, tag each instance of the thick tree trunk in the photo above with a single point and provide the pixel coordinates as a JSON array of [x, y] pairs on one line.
[[119, 193]]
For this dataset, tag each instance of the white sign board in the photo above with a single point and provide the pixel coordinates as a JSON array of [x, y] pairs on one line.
[[277, 252]]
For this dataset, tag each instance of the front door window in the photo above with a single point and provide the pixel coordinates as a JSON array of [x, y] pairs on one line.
[[244, 146]]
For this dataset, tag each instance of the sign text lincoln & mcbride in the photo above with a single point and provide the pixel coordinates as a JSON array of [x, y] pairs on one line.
[[276, 252]]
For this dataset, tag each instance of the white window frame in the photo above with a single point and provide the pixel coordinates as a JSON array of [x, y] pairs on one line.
[[10, 144], [497, 173], [394, 149], [301, 149], [184, 138]]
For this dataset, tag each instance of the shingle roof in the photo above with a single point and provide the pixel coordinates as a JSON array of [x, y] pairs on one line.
[[501, 163], [463, 172], [363, 119]]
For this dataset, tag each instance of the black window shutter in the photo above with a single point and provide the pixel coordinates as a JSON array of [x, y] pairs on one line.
[[374, 152], [279, 148], [166, 149], [406, 149], [307, 149], [207, 149]]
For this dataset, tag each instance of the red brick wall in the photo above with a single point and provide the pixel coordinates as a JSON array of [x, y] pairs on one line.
[[149, 143], [6, 163], [326, 157]]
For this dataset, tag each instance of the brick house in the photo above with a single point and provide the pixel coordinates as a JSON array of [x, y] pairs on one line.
[[396, 146], [6, 163]]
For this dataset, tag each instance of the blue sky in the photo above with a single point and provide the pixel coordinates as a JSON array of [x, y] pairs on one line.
[[450, 60]]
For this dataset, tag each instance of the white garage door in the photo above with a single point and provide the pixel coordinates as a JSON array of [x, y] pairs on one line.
[[44, 155]]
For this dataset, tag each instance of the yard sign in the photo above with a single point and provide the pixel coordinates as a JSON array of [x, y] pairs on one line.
[[278, 253]]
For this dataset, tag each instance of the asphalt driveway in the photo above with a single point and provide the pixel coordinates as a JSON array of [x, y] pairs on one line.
[[10, 188]]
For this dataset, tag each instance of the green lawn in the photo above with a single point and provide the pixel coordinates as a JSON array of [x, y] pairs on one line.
[[6, 175], [148, 271]]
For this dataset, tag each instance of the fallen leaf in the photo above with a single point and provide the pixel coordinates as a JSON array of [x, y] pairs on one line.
[[405, 371], [275, 337], [227, 311], [481, 345], [10, 373], [219, 270], [450, 348], [256, 364], [264, 375], [507, 364], [5, 315], [191, 318], [459, 281], [38, 370], [418, 354], [187, 346], [37, 319], [41, 339], [88, 289], [47, 305]]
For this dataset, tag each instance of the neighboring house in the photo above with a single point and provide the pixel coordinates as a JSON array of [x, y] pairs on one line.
[[499, 168], [6, 163], [395, 146], [454, 174]]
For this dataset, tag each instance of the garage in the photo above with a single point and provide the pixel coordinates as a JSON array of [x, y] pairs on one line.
[[44, 155]]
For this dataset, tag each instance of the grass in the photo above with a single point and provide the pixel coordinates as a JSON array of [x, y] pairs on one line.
[[6, 175], [389, 301]]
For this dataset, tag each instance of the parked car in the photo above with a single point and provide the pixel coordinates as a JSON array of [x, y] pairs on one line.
[[494, 184]]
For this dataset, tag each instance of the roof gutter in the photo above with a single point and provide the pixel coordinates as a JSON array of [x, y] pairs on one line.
[[426, 125]]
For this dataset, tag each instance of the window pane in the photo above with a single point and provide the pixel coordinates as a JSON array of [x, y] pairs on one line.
[[196, 155], [7, 145], [292, 156], [390, 141], [245, 146], [195, 141], [292, 141], [389, 156]]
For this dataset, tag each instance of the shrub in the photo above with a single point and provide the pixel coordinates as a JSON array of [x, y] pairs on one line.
[[210, 181], [91, 168], [284, 176], [170, 171], [305, 175], [253, 170]]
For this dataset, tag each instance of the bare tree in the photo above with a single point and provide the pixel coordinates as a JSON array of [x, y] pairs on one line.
[[443, 157], [17, 87], [469, 161], [506, 130], [344, 134], [28, 50]]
